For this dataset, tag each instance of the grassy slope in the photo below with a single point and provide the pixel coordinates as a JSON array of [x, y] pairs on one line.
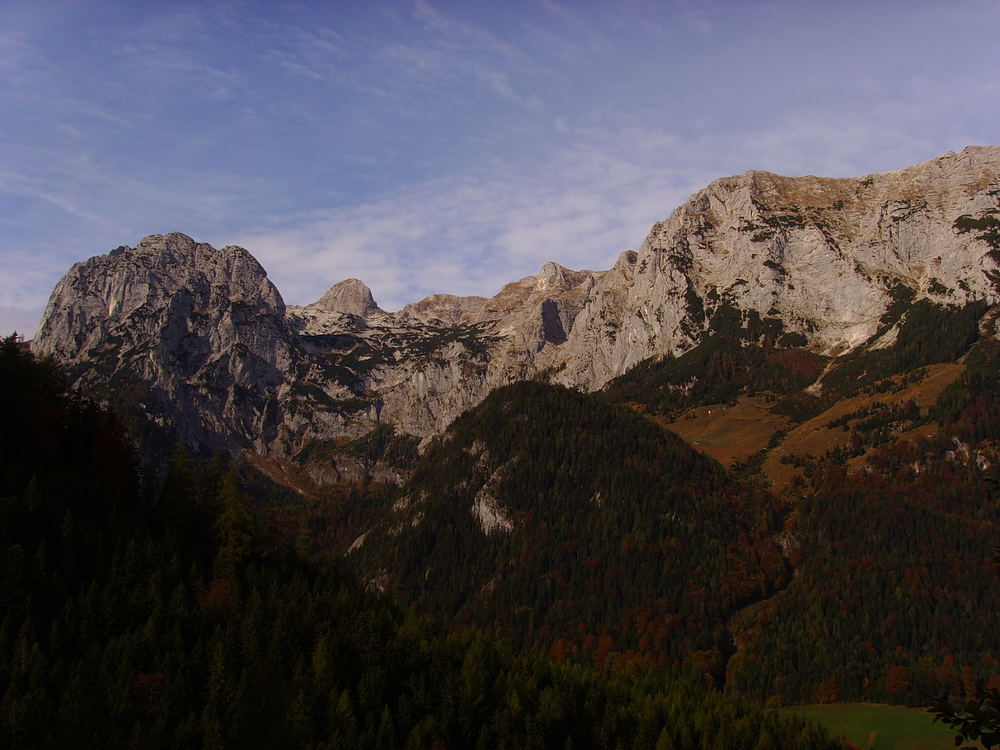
[[879, 726], [814, 437], [733, 432], [729, 432]]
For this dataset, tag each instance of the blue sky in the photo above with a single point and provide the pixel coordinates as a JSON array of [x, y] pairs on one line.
[[448, 146]]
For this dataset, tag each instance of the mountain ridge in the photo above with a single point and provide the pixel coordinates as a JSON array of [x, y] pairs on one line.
[[828, 258]]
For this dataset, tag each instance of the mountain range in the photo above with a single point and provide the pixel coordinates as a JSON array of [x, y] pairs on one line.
[[760, 449], [206, 343]]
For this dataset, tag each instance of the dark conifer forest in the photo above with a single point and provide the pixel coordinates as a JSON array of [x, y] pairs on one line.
[[608, 541], [146, 611], [624, 546]]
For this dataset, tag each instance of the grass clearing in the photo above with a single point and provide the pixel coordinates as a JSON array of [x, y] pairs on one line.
[[880, 727], [815, 437], [729, 433]]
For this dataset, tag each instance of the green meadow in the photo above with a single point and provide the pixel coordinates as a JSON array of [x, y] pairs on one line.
[[880, 727]]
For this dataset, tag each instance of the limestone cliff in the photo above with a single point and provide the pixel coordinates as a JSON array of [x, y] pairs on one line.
[[822, 255]]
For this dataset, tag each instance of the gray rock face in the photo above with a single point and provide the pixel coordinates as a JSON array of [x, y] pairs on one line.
[[348, 297], [209, 337], [202, 331], [820, 254]]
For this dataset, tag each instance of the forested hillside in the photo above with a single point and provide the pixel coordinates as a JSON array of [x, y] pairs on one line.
[[895, 595], [573, 524], [612, 584], [146, 613], [892, 525], [580, 526], [740, 354]]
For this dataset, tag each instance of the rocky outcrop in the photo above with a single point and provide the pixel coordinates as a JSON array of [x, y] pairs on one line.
[[421, 367], [347, 305], [348, 297], [196, 335], [209, 339]]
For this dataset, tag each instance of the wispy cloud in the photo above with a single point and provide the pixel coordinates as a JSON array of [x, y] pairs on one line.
[[579, 26], [589, 199], [471, 233], [462, 35], [435, 146]]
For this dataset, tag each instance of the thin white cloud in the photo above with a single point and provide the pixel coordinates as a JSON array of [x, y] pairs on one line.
[[568, 18], [966, 12], [293, 65], [448, 148], [28, 279], [159, 70], [26, 186], [469, 36], [471, 233]]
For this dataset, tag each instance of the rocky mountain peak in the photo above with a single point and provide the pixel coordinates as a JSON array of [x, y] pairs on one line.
[[202, 330], [449, 309], [348, 297], [173, 242], [551, 275]]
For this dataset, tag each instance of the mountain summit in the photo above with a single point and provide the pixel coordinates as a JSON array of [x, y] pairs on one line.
[[349, 297]]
